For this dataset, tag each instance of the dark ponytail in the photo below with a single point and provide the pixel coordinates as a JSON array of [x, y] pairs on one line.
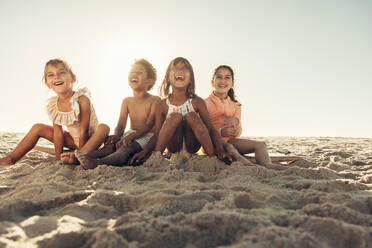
[[231, 94]]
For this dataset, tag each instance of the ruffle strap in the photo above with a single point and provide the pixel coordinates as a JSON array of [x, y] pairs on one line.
[[65, 118]]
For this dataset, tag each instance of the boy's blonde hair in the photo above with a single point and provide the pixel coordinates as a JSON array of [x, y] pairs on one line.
[[164, 88], [150, 70], [54, 62]]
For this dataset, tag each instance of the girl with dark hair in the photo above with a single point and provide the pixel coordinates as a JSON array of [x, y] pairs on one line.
[[225, 112]]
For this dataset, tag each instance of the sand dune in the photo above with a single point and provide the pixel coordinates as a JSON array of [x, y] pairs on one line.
[[322, 200]]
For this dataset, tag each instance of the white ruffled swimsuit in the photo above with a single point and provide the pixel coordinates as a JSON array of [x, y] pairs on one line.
[[71, 119], [183, 109]]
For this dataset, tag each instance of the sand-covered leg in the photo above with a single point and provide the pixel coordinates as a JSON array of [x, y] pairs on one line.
[[86, 162]]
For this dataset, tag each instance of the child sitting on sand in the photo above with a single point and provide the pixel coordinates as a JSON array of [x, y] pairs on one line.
[[182, 120], [225, 111], [69, 108], [141, 111]]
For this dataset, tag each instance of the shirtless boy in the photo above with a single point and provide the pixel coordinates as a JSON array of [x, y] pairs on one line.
[[141, 110]]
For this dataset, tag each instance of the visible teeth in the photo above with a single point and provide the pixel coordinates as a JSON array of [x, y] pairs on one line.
[[179, 78]]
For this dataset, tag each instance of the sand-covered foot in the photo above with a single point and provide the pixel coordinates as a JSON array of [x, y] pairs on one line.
[[68, 158], [85, 161], [156, 160], [6, 161], [276, 167], [179, 158], [236, 156]]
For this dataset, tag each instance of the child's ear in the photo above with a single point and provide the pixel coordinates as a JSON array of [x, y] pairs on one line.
[[150, 83], [73, 78], [47, 85]]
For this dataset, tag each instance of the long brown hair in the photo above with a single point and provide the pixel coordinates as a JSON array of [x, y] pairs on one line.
[[164, 88], [231, 92]]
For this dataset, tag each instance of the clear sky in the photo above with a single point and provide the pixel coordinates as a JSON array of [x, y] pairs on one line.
[[303, 68]]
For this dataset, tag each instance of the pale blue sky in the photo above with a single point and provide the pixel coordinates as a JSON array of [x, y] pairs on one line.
[[303, 68]]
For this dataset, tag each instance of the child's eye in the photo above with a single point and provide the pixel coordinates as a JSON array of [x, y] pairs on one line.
[[50, 75]]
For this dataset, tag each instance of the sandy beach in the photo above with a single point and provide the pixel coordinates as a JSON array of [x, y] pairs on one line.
[[321, 200]]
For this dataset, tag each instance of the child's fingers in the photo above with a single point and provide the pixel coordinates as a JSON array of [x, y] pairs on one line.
[[134, 158], [118, 144]]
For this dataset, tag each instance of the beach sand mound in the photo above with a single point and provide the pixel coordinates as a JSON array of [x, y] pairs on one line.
[[322, 200]]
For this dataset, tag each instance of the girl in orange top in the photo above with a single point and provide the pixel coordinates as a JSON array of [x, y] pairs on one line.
[[225, 111]]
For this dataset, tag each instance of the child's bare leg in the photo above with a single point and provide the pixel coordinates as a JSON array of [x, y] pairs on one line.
[[245, 146], [93, 143], [29, 141], [96, 139], [175, 144], [102, 152], [200, 133], [118, 158], [165, 137]]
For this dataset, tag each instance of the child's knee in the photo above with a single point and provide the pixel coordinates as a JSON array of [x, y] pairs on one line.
[[174, 118], [193, 119], [37, 128], [105, 129], [261, 145]]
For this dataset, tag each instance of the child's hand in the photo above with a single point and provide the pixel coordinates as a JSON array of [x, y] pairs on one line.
[[231, 121], [112, 139], [138, 157], [229, 131]]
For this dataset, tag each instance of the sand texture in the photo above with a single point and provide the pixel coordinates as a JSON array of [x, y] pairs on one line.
[[322, 200]]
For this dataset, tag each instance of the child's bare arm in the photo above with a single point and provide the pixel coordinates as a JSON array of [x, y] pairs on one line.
[[85, 111], [58, 140], [160, 111], [122, 122], [201, 107], [232, 126]]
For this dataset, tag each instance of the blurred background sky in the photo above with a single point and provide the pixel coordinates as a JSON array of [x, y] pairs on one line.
[[303, 68]]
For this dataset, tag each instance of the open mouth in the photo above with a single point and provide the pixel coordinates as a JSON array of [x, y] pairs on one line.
[[133, 80], [222, 86], [180, 78], [58, 83]]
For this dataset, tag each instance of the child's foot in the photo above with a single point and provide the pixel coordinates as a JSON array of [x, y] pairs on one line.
[[6, 161], [68, 158], [234, 154], [156, 160], [86, 162], [244, 160]]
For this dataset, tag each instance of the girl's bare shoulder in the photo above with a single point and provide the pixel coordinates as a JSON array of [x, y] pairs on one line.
[[198, 101], [83, 99]]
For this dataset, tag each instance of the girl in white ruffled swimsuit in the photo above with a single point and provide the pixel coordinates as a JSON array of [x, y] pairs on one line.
[[182, 120], [69, 108]]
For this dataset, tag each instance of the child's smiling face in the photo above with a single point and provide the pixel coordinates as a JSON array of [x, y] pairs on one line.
[[138, 77], [179, 75], [58, 78], [222, 81]]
